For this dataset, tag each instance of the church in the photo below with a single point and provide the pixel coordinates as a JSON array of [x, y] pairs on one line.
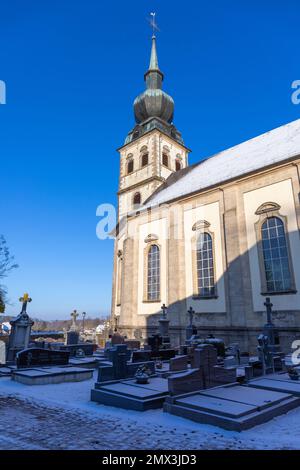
[[218, 236]]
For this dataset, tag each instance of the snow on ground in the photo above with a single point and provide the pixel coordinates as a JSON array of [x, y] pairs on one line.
[[70, 420]]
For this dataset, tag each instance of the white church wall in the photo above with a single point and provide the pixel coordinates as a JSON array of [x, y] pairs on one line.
[[211, 214], [282, 194]]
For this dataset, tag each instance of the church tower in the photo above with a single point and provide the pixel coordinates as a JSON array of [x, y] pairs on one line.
[[154, 148]]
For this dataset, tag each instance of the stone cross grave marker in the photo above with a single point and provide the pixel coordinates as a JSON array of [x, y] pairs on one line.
[[20, 330], [268, 304]]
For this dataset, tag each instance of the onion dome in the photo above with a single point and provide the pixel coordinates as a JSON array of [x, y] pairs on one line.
[[153, 102]]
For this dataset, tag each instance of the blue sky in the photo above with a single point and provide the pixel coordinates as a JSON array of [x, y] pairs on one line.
[[72, 70]]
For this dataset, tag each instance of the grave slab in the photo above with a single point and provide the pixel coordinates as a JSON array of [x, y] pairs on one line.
[[51, 375], [5, 372], [130, 395], [277, 382], [86, 362], [232, 407]]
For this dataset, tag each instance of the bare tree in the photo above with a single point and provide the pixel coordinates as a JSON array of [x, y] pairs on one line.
[[6, 265]]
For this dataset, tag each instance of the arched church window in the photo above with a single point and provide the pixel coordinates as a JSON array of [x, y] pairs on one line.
[[275, 255], [145, 159], [153, 275], [205, 265], [177, 164], [130, 167], [165, 160], [137, 199]]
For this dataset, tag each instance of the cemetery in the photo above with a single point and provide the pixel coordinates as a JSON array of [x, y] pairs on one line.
[[204, 380]]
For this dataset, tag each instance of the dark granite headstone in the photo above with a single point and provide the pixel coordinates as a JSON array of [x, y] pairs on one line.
[[155, 342], [179, 363], [72, 337], [140, 356], [118, 357], [120, 368], [87, 348], [41, 357]]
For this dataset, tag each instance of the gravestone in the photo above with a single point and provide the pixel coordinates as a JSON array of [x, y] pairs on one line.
[[119, 366], [265, 354], [118, 356], [41, 357], [2, 353], [73, 333], [87, 348], [117, 339], [159, 349], [232, 407], [190, 329], [133, 343], [270, 331], [155, 343], [234, 350], [72, 337], [141, 356], [164, 326], [178, 363], [130, 395], [20, 330]]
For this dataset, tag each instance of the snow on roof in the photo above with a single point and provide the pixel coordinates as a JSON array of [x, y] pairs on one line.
[[272, 147]]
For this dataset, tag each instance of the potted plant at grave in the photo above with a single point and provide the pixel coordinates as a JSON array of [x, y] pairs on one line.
[[142, 375], [293, 373]]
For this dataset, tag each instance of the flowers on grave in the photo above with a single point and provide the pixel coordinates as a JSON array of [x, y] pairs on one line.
[[293, 373], [142, 375]]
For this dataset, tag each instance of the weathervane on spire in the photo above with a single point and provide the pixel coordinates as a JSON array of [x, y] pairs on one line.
[[153, 23]]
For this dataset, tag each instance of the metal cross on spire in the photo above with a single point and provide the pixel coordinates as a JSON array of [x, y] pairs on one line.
[[153, 23]]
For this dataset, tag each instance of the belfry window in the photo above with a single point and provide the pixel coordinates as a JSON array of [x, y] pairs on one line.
[[205, 265], [165, 160], [153, 275], [137, 199], [275, 256], [130, 167], [145, 159], [177, 165]]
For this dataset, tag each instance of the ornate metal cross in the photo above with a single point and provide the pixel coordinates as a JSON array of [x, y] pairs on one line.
[[25, 299], [268, 304], [164, 309], [191, 313]]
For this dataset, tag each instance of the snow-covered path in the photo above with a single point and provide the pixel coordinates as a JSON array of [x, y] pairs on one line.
[[62, 417]]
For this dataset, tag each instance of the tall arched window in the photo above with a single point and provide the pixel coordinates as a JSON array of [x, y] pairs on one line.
[[165, 160], [130, 167], [275, 255], [205, 265], [153, 291], [137, 199]]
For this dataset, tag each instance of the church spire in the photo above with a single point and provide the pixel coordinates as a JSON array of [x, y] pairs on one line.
[[153, 58], [154, 76], [153, 102]]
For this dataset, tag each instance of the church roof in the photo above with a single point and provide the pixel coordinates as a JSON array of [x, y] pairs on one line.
[[270, 148]]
